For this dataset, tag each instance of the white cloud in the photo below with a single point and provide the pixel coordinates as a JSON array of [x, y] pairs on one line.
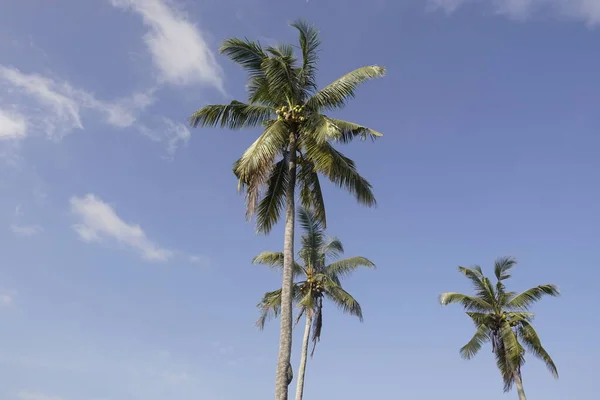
[[178, 48], [98, 220], [6, 300], [585, 10], [173, 134], [26, 230], [33, 395], [57, 105], [12, 125]]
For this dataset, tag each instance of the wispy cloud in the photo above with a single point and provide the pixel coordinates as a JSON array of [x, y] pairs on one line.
[[26, 230], [12, 125], [55, 106], [179, 50], [99, 221], [173, 134], [585, 10]]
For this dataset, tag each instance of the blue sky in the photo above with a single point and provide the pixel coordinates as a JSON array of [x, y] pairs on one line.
[[125, 268]]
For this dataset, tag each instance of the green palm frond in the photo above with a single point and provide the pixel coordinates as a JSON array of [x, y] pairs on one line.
[[472, 348], [341, 171], [344, 300], [312, 239], [311, 195], [345, 131], [332, 248], [346, 266], [309, 45], [336, 94], [282, 75], [246, 53], [525, 299], [480, 283], [469, 303], [275, 260], [502, 267], [513, 353], [269, 208], [533, 343], [270, 305], [235, 115], [479, 318]]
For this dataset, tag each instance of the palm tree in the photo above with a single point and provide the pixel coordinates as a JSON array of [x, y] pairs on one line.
[[503, 318], [317, 280], [295, 146]]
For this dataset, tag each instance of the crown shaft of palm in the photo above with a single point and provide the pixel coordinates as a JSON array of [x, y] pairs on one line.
[[502, 318], [295, 147]]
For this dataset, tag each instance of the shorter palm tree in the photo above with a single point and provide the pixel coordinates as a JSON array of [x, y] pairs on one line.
[[314, 281], [503, 319]]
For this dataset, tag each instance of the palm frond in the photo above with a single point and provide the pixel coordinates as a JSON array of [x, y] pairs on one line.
[[317, 324], [332, 248], [343, 300], [340, 170], [311, 195], [502, 267], [246, 53], [346, 131], [479, 318], [480, 337], [480, 283], [469, 303], [235, 115], [269, 208], [533, 343], [312, 239], [336, 94], [309, 44], [346, 266], [525, 299], [270, 305], [513, 353], [282, 76]]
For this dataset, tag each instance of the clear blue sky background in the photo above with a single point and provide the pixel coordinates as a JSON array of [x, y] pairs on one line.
[[125, 271]]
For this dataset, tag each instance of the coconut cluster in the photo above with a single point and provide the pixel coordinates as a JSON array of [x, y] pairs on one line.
[[291, 114]]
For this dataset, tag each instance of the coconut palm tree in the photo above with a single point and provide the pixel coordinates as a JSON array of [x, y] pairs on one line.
[[503, 318], [295, 147], [316, 280]]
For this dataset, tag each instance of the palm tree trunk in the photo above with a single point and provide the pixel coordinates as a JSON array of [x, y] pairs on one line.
[[519, 385], [285, 331], [303, 358]]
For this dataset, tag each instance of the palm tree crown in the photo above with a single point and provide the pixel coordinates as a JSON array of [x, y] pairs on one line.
[[503, 318], [284, 99], [316, 279]]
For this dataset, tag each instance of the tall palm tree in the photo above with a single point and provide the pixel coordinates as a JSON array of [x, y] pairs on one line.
[[316, 280], [503, 318], [295, 146]]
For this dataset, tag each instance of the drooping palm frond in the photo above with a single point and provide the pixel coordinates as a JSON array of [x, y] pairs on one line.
[[270, 305], [311, 195], [275, 260], [345, 131], [332, 248], [235, 115], [336, 94], [270, 206], [340, 170], [533, 343], [469, 303], [525, 299], [472, 348], [344, 301]]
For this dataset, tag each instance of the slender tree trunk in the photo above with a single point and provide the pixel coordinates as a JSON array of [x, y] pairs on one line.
[[285, 332], [519, 385], [303, 358]]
